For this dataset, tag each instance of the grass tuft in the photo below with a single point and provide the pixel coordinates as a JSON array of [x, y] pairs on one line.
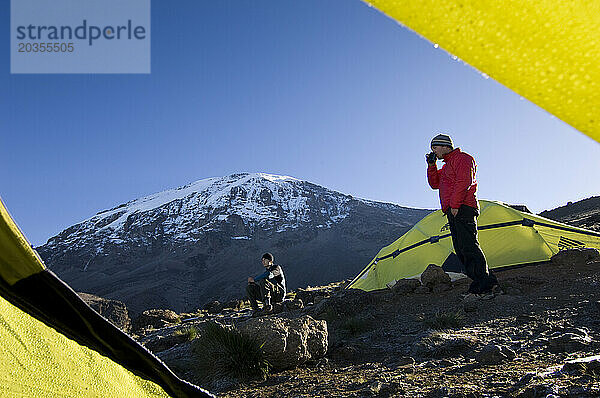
[[445, 320], [592, 371], [221, 352], [190, 333]]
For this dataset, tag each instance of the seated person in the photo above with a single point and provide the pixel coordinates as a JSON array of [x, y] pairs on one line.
[[268, 287]]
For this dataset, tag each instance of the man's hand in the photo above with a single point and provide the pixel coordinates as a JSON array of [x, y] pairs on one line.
[[431, 158], [454, 212], [250, 279]]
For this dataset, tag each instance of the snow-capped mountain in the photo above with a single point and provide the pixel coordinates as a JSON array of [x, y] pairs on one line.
[[181, 247]]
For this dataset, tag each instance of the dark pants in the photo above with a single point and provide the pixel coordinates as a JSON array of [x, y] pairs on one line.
[[463, 228], [264, 291]]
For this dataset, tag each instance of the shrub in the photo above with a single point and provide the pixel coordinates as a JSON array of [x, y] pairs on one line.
[[190, 333], [445, 320], [222, 352]]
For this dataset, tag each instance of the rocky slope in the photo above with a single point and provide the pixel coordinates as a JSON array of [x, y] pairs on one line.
[[541, 338], [181, 248], [584, 213]]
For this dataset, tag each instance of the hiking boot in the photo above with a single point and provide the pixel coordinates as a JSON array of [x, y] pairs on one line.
[[267, 309], [257, 313], [486, 295], [497, 290]]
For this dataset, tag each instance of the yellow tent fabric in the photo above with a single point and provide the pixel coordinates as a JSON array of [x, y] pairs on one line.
[[54, 345], [545, 50], [37, 361], [507, 237]]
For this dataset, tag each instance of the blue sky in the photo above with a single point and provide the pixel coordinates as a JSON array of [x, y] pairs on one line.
[[332, 92]]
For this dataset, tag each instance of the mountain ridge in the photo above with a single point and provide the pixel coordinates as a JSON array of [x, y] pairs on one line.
[[181, 247]]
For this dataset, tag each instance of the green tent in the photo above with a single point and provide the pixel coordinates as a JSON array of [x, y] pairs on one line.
[[507, 236], [55, 345]]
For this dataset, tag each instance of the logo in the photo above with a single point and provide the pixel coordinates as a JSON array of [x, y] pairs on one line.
[[566, 243], [85, 31], [80, 36], [446, 227]]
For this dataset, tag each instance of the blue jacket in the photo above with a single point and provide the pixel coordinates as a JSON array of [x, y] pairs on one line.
[[273, 274]]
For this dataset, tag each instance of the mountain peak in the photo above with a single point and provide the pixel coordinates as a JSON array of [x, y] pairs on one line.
[[174, 245]]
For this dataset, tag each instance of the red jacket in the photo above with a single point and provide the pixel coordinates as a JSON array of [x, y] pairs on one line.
[[455, 180]]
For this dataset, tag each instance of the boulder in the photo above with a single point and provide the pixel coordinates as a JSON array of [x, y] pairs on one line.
[[405, 286], [155, 319], [442, 287], [493, 354], [422, 290], [288, 343], [576, 256], [214, 307], [307, 296], [113, 310], [568, 342], [404, 360], [434, 275], [233, 304], [589, 365], [291, 305], [346, 303]]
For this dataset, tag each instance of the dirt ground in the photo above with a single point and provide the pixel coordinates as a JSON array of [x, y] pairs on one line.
[[383, 344]]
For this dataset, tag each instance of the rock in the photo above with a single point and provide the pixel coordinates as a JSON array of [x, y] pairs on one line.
[[494, 354], [434, 275], [568, 342], [402, 361], [113, 310], [442, 287], [540, 391], [288, 342], [422, 290], [375, 387], [233, 304], [155, 319], [162, 343], [295, 304], [214, 307], [405, 286], [346, 303], [590, 365], [513, 291], [575, 256], [278, 307], [470, 305], [306, 296], [438, 344]]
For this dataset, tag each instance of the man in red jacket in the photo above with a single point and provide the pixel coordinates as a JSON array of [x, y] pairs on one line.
[[458, 186]]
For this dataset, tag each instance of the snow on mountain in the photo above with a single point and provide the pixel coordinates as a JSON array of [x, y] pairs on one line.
[[260, 199], [180, 247]]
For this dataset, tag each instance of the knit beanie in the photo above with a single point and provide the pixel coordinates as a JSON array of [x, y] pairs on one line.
[[442, 140]]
